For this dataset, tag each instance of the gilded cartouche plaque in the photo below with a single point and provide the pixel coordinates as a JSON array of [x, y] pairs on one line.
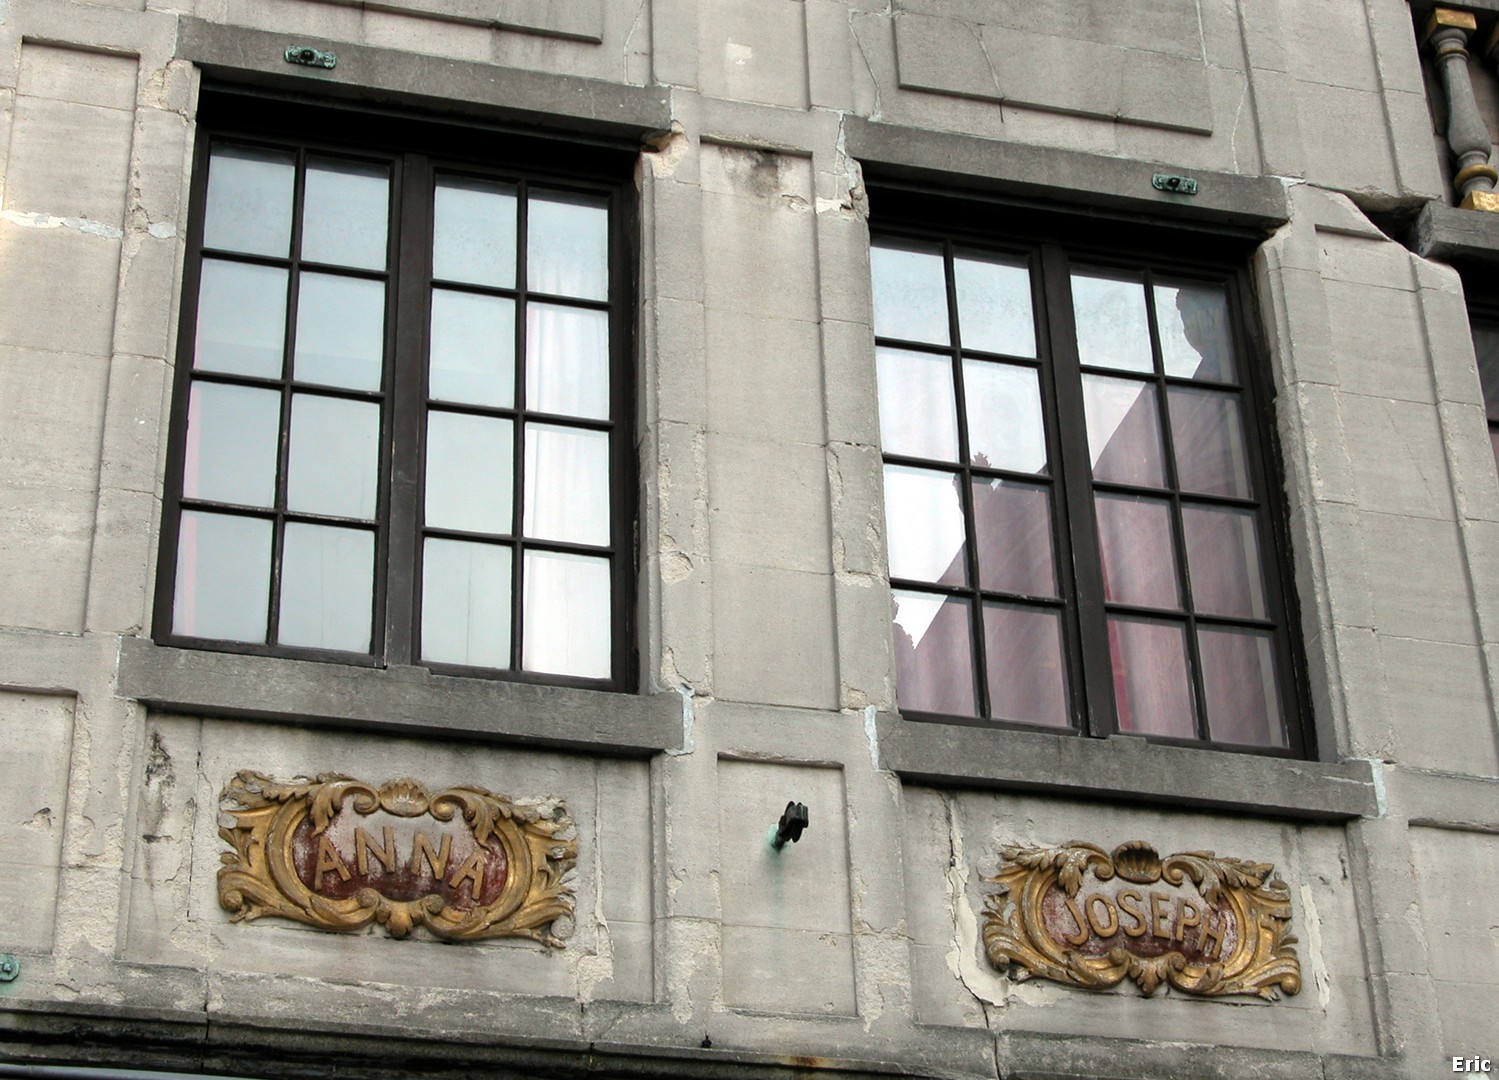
[[339, 854], [1082, 916]]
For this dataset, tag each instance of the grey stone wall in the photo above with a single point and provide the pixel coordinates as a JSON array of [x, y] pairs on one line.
[[766, 665]]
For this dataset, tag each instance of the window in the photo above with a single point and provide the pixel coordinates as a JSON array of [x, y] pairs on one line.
[[401, 427], [1082, 533], [1486, 345]]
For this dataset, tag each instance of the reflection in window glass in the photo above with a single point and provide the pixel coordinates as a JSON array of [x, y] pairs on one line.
[[1152, 678], [567, 360], [327, 587], [566, 614], [473, 232], [910, 291], [345, 211], [333, 462], [223, 577], [470, 474], [933, 654], [918, 414], [1196, 342], [231, 444], [249, 200], [1027, 666], [924, 525], [567, 245], [472, 358], [994, 305], [466, 603], [241, 319], [1113, 329], [1003, 402], [1124, 431], [340, 331]]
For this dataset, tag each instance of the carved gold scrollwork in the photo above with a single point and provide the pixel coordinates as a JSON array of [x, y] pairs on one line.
[[271, 826], [1050, 909]]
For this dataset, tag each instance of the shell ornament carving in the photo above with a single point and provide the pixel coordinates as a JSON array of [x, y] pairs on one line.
[[1079, 915], [339, 854]]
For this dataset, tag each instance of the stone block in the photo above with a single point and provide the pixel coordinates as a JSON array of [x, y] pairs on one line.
[[44, 535], [760, 255], [1438, 704], [626, 837], [582, 20], [132, 420], [788, 971], [858, 509], [938, 997], [1460, 945], [765, 377], [829, 55], [674, 42], [1311, 428], [335, 22], [804, 885], [767, 503], [675, 347], [450, 40], [853, 401], [1278, 125], [69, 161], [631, 965], [36, 737], [1420, 171], [675, 247], [944, 56], [77, 75], [1375, 334], [122, 557], [39, 315], [1471, 461], [773, 636], [866, 661], [1399, 458], [1360, 259], [1424, 597], [1326, 115], [754, 52], [51, 413], [843, 264], [1340, 53]]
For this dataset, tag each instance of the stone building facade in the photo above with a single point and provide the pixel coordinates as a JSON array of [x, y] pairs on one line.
[[488, 395]]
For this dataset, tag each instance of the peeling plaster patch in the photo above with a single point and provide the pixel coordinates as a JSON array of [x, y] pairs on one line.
[[1313, 923], [675, 567], [962, 958], [47, 221], [162, 230], [738, 54], [873, 736], [42, 819], [4, 11], [1376, 770], [687, 717]]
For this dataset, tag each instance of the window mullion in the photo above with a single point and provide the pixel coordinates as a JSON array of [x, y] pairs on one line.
[[1075, 474], [407, 377]]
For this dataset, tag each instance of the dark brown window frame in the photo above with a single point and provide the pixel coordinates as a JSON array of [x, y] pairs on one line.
[[418, 147], [1052, 240]]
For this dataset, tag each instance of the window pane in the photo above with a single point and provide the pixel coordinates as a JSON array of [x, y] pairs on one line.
[[918, 414], [327, 587], [994, 305], [1196, 342], [241, 319], [567, 484], [334, 456], [1152, 684], [473, 349], [1486, 345], [1238, 676], [1139, 553], [924, 525], [934, 654], [466, 603], [473, 232], [1113, 329], [1003, 403], [910, 291], [1209, 442], [1223, 558], [345, 213], [1124, 431], [340, 331], [232, 436], [223, 577], [567, 245], [567, 360], [1027, 670], [249, 200], [566, 615], [1013, 524], [470, 472]]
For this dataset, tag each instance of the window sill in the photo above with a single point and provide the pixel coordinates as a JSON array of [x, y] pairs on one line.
[[1127, 768], [398, 701]]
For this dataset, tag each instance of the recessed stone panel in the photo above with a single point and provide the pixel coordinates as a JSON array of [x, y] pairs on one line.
[[36, 742]]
